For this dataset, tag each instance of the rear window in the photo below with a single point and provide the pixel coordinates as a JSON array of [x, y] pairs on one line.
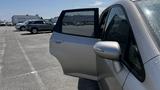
[[38, 22]]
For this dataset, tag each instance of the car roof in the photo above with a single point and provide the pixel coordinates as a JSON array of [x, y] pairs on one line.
[[35, 20], [124, 3], [113, 2], [135, 0]]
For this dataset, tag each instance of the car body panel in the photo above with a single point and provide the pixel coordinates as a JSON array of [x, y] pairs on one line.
[[78, 57], [108, 77], [19, 25], [48, 26], [152, 77]]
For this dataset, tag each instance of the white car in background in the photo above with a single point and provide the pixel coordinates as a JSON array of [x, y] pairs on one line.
[[120, 50], [2, 23], [9, 23]]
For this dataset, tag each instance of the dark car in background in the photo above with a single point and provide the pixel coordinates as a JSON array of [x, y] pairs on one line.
[[35, 26]]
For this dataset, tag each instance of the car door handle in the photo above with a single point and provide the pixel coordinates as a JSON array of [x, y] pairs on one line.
[[58, 41]]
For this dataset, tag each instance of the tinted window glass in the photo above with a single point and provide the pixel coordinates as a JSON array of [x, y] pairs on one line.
[[38, 22], [134, 58], [30, 22], [78, 23], [118, 29], [103, 21]]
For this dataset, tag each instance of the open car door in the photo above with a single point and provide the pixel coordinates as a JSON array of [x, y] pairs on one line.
[[72, 42]]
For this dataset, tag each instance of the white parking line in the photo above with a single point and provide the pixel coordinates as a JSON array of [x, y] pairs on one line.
[[32, 68], [21, 75], [17, 76]]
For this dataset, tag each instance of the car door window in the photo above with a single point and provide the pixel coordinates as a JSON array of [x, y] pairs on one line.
[[39, 22], [118, 29], [79, 23], [30, 22], [133, 59]]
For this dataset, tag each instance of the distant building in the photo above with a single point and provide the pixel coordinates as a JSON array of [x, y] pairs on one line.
[[22, 18]]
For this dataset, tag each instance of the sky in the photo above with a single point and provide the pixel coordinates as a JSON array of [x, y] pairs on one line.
[[44, 8]]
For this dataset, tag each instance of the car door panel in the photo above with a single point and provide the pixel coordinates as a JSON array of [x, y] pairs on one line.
[[78, 55], [47, 26], [133, 84], [75, 51], [43, 26], [38, 25], [108, 77]]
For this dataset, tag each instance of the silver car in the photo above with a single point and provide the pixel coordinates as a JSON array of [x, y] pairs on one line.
[[120, 50]]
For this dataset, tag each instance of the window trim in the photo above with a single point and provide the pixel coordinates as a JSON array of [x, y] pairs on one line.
[[107, 10], [58, 27], [131, 37]]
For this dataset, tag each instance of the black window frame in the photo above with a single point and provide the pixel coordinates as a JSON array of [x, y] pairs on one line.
[[58, 26], [140, 77], [103, 20]]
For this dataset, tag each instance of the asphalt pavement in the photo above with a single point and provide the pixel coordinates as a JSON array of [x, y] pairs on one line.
[[26, 64]]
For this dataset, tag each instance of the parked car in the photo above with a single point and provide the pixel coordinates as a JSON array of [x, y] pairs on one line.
[[121, 50], [9, 23], [21, 26], [34, 26], [2, 24]]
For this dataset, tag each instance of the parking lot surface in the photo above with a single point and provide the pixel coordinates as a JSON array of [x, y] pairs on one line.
[[26, 64]]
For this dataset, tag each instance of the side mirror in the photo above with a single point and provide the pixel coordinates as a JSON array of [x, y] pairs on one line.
[[107, 50]]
